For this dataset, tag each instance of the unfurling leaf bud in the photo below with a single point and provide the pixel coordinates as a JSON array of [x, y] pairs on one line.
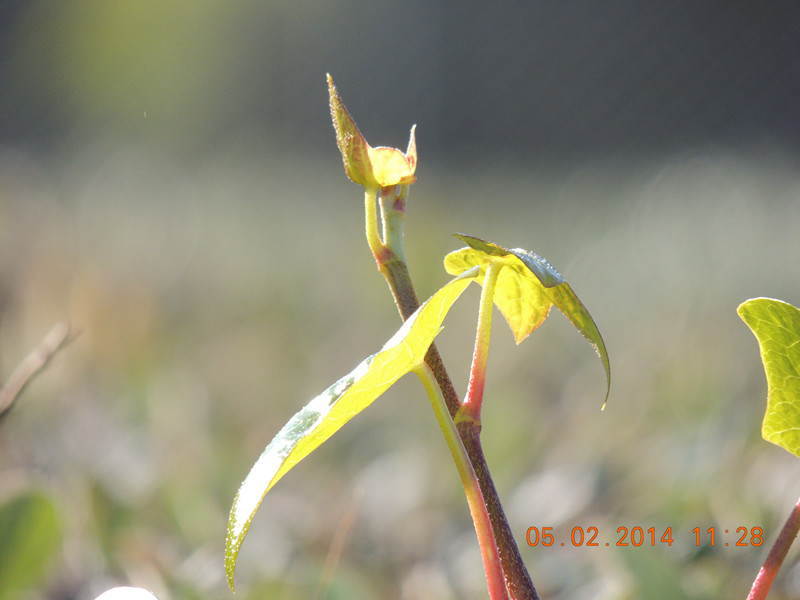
[[374, 168]]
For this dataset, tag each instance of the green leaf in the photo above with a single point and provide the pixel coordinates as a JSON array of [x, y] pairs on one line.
[[527, 287], [30, 536], [329, 411], [776, 326]]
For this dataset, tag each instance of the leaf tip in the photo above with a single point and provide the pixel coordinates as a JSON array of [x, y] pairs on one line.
[[411, 151], [231, 552], [741, 310], [608, 393], [237, 530]]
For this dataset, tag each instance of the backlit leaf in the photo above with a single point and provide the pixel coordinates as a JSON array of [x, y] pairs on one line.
[[371, 167], [329, 411], [352, 145], [776, 326], [527, 287]]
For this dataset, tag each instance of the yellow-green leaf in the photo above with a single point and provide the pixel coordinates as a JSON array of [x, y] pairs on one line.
[[329, 411], [391, 167], [352, 145], [527, 287], [371, 167], [776, 326]]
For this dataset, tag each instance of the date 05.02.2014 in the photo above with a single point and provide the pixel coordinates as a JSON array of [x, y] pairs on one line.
[[639, 536]]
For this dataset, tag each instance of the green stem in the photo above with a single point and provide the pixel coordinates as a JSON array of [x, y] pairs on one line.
[[393, 214], [471, 409], [389, 252], [780, 549], [373, 239], [472, 489], [518, 581]]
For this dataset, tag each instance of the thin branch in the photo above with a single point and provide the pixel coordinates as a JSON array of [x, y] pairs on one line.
[[471, 408], [32, 364], [780, 549]]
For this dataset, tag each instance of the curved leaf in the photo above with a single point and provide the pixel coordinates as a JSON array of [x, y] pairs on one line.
[[776, 326], [329, 411], [527, 287]]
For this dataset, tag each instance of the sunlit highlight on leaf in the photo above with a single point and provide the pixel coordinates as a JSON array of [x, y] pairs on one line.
[[329, 411], [527, 287], [776, 326]]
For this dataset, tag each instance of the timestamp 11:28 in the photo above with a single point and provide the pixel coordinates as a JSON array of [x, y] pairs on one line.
[[745, 537]]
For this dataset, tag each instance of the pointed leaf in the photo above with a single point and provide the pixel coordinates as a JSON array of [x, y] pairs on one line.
[[527, 287], [776, 326], [329, 411], [411, 150], [353, 146], [371, 167]]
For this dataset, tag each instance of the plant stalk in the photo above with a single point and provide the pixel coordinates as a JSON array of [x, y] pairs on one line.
[[395, 270], [777, 553], [393, 200], [373, 239], [472, 489], [471, 408]]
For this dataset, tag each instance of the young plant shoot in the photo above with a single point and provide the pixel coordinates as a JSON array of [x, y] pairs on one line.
[[521, 284]]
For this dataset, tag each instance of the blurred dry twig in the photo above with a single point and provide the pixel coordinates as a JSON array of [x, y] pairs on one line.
[[32, 364]]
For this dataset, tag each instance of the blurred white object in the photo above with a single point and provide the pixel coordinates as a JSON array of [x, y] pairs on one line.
[[126, 593]]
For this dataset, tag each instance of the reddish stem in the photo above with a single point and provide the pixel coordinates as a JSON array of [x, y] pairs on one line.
[[780, 549], [473, 401], [518, 580], [477, 505]]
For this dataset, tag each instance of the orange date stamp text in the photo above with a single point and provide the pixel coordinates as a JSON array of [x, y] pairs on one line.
[[641, 536]]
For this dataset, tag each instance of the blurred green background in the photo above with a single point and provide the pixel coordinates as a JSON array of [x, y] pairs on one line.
[[170, 184]]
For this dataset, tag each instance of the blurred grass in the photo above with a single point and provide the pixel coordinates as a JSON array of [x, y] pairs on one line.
[[212, 304], [218, 279]]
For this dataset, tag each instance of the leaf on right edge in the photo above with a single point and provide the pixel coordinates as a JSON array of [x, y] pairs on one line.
[[776, 325], [527, 287], [327, 413]]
